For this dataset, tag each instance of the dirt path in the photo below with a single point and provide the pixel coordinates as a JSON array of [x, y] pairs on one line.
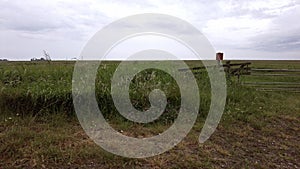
[[234, 145]]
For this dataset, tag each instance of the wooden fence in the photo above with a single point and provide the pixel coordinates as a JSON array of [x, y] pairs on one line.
[[268, 80], [265, 79]]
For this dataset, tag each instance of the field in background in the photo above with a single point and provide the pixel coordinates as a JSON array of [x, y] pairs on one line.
[[38, 126]]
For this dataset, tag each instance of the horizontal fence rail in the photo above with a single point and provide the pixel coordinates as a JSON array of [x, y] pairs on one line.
[[261, 74], [271, 83], [274, 86], [266, 74], [275, 70]]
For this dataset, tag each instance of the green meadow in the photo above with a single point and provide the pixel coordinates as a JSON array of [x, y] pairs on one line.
[[39, 127]]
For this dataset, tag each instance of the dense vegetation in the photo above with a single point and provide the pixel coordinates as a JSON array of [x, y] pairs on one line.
[[38, 127]]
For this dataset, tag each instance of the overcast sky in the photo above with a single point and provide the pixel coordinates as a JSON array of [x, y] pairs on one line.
[[242, 29]]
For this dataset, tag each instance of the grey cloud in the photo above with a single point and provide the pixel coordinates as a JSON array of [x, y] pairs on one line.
[[20, 17], [275, 42], [240, 8], [284, 34], [33, 22], [40, 17]]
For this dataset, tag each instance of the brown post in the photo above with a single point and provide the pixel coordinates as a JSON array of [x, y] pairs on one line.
[[219, 58]]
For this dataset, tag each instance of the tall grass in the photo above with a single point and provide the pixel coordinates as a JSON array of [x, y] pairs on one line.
[[40, 88], [35, 88]]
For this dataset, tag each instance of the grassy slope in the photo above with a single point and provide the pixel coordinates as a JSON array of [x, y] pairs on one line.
[[258, 130]]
